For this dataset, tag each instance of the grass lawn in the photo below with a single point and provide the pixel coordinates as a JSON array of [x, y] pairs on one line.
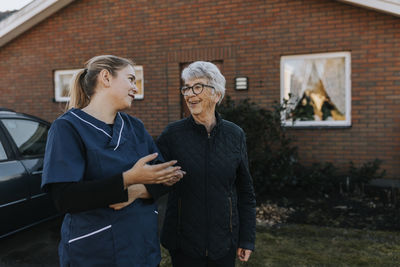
[[308, 245]]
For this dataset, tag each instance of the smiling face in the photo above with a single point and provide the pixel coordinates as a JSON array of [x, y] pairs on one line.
[[123, 88], [204, 103]]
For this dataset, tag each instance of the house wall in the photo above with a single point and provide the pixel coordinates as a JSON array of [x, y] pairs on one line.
[[249, 37]]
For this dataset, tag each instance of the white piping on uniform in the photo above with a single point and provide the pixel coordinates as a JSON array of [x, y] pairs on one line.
[[91, 125], [89, 234], [120, 132]]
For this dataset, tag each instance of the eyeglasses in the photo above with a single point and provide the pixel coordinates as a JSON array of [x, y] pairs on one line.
[[196, 89]]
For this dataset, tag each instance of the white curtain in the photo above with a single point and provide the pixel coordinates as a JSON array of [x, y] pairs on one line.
[[330, 71]]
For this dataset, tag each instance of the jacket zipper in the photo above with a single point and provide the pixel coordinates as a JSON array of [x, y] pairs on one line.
[[230, 213], [179, 215], [206, 196]]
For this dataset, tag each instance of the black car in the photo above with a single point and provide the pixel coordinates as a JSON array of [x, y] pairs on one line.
[[22, 146]]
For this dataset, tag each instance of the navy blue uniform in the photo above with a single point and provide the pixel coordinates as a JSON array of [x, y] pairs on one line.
[[82, 148]]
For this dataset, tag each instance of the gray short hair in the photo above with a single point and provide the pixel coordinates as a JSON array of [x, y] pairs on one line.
[[203, 69]]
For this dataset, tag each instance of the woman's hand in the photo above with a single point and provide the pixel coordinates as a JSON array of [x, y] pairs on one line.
[[143, 173], [135, 191], [175, 179], [243, 254]]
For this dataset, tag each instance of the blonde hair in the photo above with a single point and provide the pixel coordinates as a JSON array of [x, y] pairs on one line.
[[84, 82]]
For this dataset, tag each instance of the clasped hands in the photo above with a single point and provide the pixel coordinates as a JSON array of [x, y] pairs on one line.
[[144, 173]]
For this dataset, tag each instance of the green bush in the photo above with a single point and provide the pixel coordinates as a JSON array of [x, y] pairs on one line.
[[319, 178], [357, 177], [273, 160], [271, 156]]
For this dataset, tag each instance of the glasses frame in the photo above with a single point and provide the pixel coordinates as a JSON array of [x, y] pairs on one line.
[[192, 88]]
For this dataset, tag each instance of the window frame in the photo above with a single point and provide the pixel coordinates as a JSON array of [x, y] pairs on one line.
[[58, 83], [10, 152], [139, 80], [9, 140], [347, 87]]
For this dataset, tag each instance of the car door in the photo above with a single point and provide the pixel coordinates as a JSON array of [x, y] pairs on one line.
[[14, 189], [29, 138]]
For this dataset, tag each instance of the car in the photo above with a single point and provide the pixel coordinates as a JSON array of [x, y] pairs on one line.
[[22, 146]]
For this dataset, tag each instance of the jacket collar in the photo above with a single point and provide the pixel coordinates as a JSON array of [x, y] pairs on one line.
[[201, 127]]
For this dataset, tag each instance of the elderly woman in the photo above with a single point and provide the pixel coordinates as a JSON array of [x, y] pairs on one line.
[[210, 213]]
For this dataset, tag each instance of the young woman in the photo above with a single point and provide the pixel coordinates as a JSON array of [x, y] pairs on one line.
[[97, 156]]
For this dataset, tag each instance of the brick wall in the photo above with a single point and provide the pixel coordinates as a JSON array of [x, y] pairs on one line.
[[248, 36]]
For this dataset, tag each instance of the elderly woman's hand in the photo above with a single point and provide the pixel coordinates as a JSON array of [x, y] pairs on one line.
[[173, 180], [243, 254], [135, 191]]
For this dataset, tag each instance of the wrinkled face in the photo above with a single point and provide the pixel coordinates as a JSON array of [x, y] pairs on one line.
[[203, 103], [123, 87]]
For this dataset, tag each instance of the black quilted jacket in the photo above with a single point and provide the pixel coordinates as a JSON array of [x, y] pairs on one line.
[[213, 207]]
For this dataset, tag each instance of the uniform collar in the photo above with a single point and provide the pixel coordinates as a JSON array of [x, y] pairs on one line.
[[114, 134]]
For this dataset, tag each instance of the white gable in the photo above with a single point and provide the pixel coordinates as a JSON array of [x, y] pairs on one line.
[[38, 10], [387, 6], [27, 17]]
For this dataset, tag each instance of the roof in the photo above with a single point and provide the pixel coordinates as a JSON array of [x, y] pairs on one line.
[[27, 17], [39, 10], [391, 7], [5, 14]]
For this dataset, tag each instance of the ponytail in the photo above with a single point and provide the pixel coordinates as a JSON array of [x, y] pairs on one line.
[[84, 82], [77, 94]]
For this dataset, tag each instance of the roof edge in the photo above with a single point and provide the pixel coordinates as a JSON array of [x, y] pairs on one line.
[[39, 10], [391, 7], [27, 17]]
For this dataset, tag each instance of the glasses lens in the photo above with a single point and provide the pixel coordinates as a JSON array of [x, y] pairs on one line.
[[185, 90], [197, 88]]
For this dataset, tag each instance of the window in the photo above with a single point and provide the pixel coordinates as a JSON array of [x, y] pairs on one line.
[[317, 90], [139, 82], [29, 136], [3, 155], [62, 79]]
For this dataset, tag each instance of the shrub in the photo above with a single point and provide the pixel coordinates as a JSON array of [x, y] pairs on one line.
[[319, 178], [271, 156], [357, 177], [273, 160]]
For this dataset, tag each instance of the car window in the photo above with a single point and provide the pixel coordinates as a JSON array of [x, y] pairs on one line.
[[3, 155], [29, 136]]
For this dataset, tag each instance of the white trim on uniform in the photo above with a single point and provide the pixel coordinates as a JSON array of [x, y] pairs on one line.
[[92, 125], [89, 234], [120, 132]]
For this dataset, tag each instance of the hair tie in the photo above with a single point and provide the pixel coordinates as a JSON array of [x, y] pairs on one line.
[[82, 78]]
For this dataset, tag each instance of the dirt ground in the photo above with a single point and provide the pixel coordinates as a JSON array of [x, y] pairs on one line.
[[370, 211]]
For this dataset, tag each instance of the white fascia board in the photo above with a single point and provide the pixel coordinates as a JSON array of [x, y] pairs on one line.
[[387, 6], [27, 17]]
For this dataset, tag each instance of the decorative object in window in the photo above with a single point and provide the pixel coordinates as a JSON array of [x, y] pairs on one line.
[[316, 89]]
